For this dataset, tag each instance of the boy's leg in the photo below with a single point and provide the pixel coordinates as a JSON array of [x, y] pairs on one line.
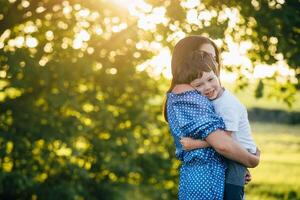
[[235, 181], [233, 192]]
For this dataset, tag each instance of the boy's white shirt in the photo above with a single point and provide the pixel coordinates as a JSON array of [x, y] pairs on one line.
[[235, 117]]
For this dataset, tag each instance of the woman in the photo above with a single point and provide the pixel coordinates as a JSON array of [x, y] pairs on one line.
[[189, 114]]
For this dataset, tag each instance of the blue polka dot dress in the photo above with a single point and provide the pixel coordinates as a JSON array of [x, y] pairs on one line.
[[202, 172]]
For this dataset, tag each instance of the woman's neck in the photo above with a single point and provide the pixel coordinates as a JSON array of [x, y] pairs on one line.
[[179, 88]]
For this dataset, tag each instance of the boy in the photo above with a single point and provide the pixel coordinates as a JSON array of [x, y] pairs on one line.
[[235, 117]]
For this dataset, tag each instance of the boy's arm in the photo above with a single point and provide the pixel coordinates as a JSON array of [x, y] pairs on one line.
[[190, 143]]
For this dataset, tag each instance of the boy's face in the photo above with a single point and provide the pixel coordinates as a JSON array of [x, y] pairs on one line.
[[209, 85]]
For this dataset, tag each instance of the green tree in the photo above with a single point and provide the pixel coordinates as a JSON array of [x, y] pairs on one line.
[[79, 120]]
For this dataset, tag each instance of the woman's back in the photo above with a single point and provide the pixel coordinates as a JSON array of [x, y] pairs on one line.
[[192, 115], [202, 172]]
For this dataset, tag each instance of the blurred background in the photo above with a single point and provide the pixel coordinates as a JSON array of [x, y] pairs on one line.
[[82, 83]]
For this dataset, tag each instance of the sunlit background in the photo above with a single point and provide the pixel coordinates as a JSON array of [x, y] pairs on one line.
[[147, 18], [82, 84]]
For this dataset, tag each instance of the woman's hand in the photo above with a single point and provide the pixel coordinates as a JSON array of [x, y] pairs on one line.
[[257, 152], [257, 158]]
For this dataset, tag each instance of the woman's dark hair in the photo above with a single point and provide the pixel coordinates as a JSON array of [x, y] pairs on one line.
[[188, 62]]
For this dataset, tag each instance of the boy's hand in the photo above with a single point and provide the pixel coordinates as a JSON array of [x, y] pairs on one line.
[[188, 143], [248, 177]]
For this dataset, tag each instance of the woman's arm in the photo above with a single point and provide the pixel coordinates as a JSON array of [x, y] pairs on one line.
[[226, 146], [190, 143], [206, 126]]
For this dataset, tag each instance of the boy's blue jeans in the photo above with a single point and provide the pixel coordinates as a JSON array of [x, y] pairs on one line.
[[234, 181], [233, 192]]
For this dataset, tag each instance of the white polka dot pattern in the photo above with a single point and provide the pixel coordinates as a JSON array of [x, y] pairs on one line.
[[202, 173]]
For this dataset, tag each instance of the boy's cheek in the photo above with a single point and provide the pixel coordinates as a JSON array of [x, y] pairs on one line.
[[201, 91]]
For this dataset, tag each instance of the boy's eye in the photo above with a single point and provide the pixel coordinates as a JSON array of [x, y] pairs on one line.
[[210, 79]]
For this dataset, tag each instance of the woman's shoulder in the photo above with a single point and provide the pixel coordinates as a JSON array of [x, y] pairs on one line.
[[185, 94]]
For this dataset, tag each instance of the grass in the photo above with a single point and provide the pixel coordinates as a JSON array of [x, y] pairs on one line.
[[277, 176]]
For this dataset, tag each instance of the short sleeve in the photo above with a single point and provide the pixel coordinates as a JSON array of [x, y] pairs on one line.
[[231, 116], [196, 117]]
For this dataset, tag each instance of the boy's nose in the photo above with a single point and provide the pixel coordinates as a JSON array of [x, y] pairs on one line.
[[206, 86]]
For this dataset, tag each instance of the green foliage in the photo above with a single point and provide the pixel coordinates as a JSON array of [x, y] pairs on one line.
[[78, 119], [259, 90], [271, 26], [78, 122], [269, 99]]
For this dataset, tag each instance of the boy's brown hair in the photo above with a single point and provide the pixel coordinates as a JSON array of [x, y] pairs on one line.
[[201, 61]]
